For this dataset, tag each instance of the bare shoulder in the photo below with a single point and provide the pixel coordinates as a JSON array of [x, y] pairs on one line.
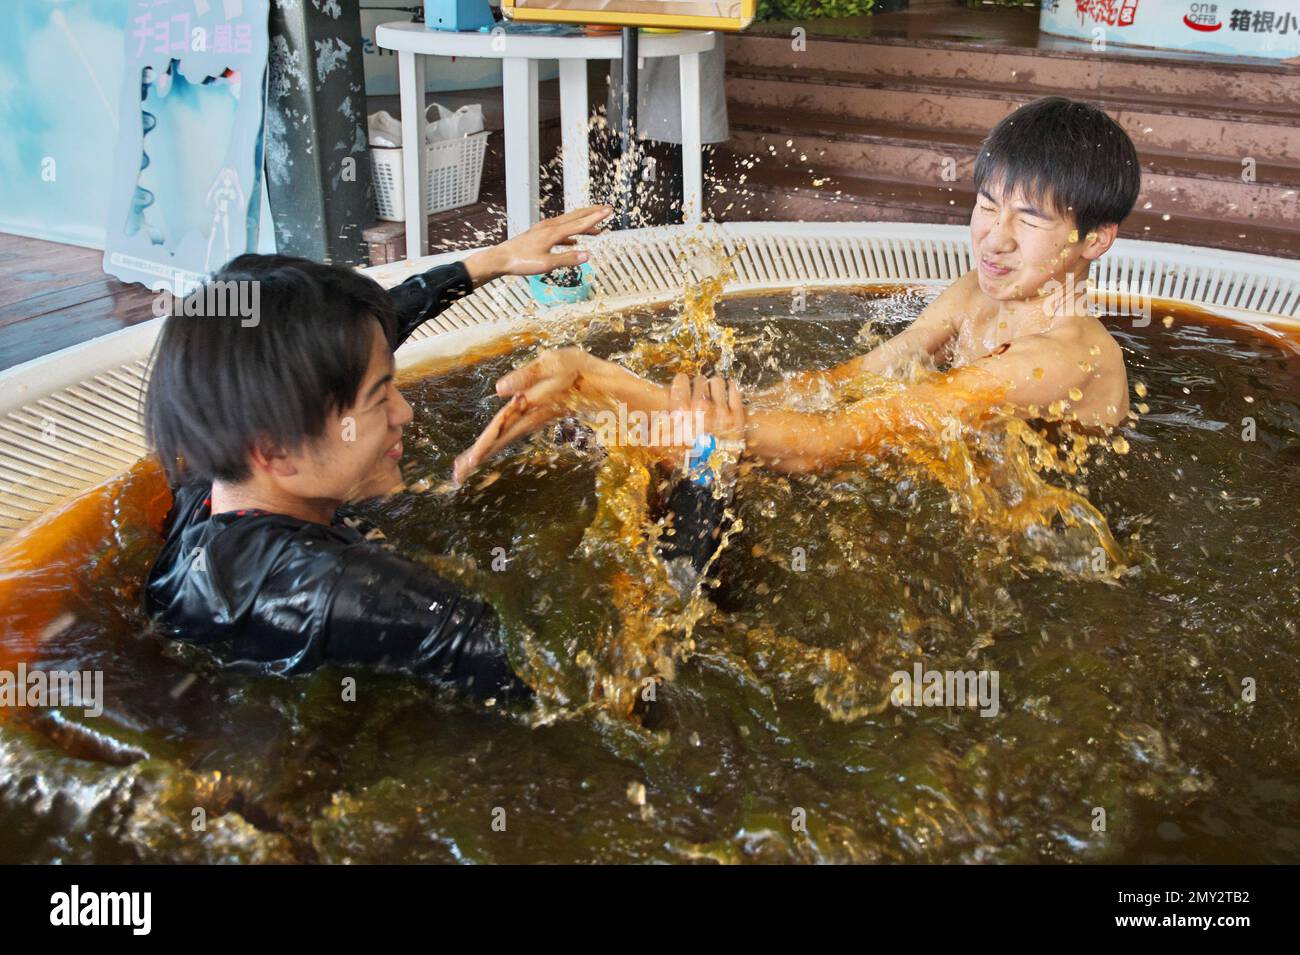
[[1089, 336], [1088, 343]]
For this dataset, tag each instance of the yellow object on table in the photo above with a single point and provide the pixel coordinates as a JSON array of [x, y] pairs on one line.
[[729, 15]]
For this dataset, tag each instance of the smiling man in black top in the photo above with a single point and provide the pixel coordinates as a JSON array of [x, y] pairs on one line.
[[266, 429]]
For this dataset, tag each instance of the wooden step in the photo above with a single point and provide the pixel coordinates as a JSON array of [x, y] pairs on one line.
[[773, 191], [881, 118], [819, 145], [1156, 121], [1065, 67]]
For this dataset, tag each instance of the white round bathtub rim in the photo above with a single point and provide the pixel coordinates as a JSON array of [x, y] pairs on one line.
[[70, 419]]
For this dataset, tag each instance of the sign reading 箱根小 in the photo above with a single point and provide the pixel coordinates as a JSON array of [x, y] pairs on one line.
[[732, 15], [1268, 28]]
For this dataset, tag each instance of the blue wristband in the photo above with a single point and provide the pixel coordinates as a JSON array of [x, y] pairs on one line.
[[697, 460]]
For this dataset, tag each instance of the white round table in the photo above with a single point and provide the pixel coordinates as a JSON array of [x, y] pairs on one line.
[[519, 53]]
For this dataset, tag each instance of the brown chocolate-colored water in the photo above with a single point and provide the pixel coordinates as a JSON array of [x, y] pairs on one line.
[[1139, 611]]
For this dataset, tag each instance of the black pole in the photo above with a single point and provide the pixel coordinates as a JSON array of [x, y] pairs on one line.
[[321, 203], [627, 187]]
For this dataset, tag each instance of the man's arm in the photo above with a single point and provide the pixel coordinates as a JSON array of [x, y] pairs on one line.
[[932, 330], [1028, 375], [421, 297], [1035, 376], [391, 613]]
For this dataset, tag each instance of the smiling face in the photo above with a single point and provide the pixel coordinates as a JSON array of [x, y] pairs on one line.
[[358, 453], [1023, 245]]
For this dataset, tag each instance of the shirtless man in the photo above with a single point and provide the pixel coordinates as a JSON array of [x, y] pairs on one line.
[[1054, 180]]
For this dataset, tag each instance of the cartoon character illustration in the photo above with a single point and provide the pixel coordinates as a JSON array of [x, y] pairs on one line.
[[224, 194]]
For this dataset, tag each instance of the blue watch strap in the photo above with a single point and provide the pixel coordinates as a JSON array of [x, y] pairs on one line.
[[697, 460]]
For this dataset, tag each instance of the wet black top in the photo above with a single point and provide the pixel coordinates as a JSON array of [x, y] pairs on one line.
[[271, 593], [274, 594]]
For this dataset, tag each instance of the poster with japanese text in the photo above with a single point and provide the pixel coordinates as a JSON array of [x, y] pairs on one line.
[[187, 176]]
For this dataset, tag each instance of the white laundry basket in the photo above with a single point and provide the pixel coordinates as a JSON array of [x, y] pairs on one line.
[[453, 172]]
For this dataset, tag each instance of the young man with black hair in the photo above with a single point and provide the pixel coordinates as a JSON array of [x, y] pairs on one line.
[[265, 428], [1054, 180]]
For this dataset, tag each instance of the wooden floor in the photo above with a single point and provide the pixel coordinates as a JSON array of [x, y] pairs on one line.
[[53, 296]]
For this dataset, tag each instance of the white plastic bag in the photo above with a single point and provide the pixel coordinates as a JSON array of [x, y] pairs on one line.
[[385, 131], [466, 120]]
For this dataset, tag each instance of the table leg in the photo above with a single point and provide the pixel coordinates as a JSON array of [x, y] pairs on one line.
[[519, 96], [692, 159], [410, 70], [573, 123]]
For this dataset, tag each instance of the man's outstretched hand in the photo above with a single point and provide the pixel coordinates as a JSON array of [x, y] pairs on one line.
[[538, 391], [557, 382], [531, 252]]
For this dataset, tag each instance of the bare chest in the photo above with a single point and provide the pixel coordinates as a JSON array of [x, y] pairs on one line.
[[978, 337]]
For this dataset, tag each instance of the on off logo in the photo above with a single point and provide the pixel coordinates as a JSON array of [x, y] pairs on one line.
[[1203, 17]]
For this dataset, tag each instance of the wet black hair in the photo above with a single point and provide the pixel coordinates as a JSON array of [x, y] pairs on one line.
[[222, 378], [1067, 155]]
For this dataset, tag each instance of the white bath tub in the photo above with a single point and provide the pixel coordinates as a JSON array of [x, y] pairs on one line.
[[71, 419]]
